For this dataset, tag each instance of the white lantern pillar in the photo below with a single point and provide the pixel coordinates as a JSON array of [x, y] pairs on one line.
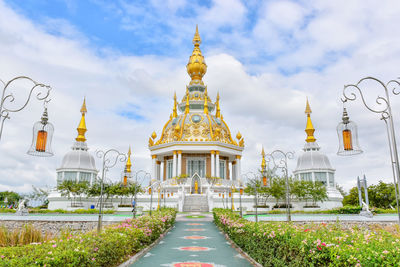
[[212, 163], [174, 164], [217, 164]]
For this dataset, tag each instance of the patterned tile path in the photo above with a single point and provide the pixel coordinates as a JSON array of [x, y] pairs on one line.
[[193, 243]]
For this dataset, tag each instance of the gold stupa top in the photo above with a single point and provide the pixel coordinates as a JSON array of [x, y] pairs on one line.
[[82, 124], [128, 162], [263, 162], [196, 118], [196, 67], [309, 127]]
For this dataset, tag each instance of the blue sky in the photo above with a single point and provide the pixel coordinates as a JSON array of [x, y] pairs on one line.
[[264, 58], [162, 28]]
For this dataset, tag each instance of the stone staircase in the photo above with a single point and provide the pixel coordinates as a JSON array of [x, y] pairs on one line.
[[195, 203]]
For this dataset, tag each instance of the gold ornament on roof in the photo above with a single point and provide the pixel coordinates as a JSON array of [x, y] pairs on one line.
[[239, 136], [128, 162], [263, 162], [174, 112], [196, 67], [154, 135], [309, 127], [218, 112], [82, 124]]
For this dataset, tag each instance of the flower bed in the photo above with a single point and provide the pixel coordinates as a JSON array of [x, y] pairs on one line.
[[115, 244], [287, 244]]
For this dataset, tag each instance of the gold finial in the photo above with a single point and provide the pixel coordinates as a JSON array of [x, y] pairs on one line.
[[263, 162], [128, 162], [174, 113], [187, 104], [309, 127], [196, 38], [218, 112], [196, 67], [205, 103], [239, 136], [154, 135], [308, 109], [82, 124]]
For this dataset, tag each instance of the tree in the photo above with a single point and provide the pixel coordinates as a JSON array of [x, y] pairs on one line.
[[318, 192], [40, 195], [298, 189], [381, 195], [255, 185], [277, 189], [11, 197]]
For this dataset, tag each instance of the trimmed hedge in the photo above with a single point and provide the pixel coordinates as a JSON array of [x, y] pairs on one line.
[[60, 211], [114, 245], [288, 244]]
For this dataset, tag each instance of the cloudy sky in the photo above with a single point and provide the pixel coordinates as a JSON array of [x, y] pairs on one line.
[[264, 58]]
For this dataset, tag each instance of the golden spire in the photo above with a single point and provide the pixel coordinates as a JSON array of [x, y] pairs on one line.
[[309, 127], [187, 104], [218, 112], [82, 124], [128, 162], [263, 162], [174, 113], [196, 67]]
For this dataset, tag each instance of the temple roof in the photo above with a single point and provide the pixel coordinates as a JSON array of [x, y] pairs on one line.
[[196, 117]]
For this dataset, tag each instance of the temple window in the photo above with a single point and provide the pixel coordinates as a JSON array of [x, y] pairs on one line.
[[222, 169], [331, 179], [84, 177], [70, 176], [320, 177], [306, 176], [196, 166], [169, 169]]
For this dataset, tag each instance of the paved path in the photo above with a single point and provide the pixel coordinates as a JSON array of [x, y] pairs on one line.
[[64, 217], [326, 217], [193, 242]]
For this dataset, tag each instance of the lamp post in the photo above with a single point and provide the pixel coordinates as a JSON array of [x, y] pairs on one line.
[[107, 164], [255, 178], [145, 175], [240, 199], [283, 165], [43, 130], [348, 138]]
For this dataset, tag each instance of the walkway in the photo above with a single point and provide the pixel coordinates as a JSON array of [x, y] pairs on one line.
[[326, 217], [193, 242]]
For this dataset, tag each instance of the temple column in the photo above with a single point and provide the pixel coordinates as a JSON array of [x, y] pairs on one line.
[[153, 167], [161, 170], [174, 164], [230, 171], [179, 163], [212, 163], [234, 170], [238, 167], [217, 174]]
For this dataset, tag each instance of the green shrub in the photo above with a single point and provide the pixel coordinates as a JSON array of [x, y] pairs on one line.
[[288, 244], [109, 248]]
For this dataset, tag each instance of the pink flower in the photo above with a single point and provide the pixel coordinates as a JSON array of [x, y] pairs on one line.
[[319, 248], [96, 249], [49, 252], [2, 256], [93, 259], [323, 244], [337, 257], [385, 252], [54, 246]]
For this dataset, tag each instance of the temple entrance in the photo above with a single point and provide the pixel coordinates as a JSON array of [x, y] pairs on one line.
[[195, 186]]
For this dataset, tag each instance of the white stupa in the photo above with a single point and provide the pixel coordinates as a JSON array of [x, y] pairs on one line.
[[314, 166], [78, 164]]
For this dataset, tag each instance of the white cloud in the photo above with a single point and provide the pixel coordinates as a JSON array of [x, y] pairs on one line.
[[267, 107]]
